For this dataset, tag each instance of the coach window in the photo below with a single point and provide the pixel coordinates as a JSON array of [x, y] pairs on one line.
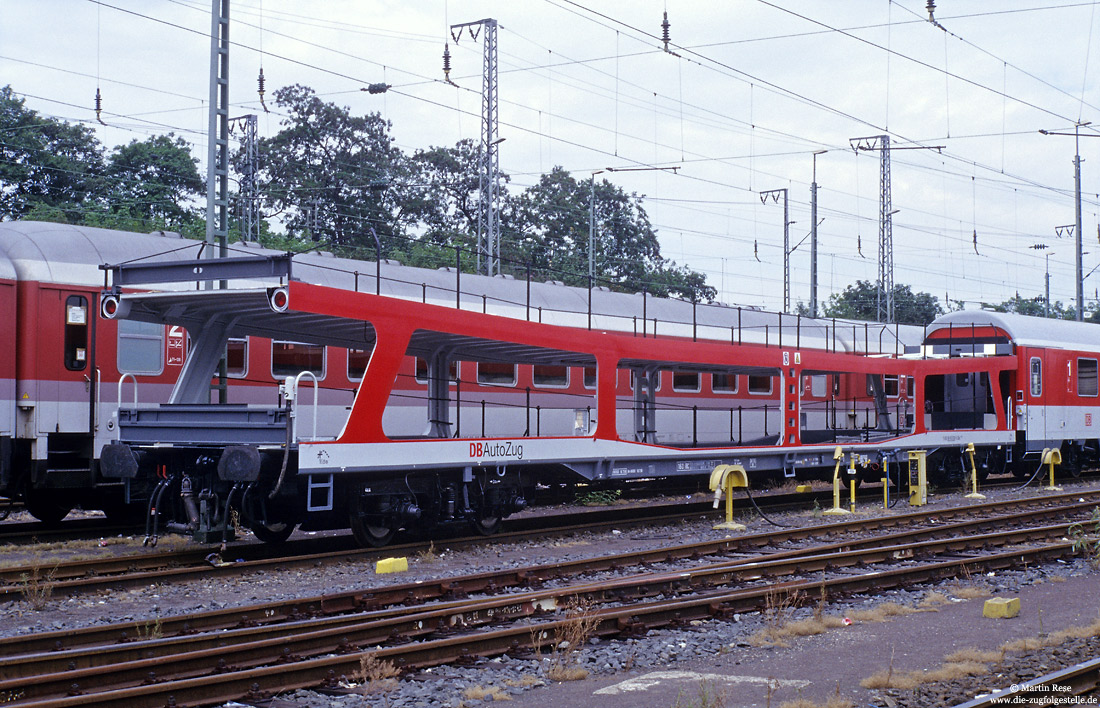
[[76, 332], [550, 376], [140, 347], [236, 356], [685, 381], [357, 363], [890, 385], [421, 373], [492, 373], [1086, 377], [1036, 376], [292, 358], [723, 383], [760, 384]]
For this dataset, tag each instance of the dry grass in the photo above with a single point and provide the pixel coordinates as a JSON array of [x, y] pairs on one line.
[[480, 693], [883, 612], [428, 555], [524, 682], [1057, 578], [833, 702], [779, 628], [970, 592], [909, 680], [377, 675], [779, 634], [971, 654], [933, 600], [705, 695], [36, 585], [580, 626], [974, 662]]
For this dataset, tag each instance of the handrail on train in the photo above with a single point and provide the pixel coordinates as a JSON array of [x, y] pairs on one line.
[[294, 417], [120, 380]]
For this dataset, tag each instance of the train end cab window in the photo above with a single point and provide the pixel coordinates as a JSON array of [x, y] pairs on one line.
[[1036, 367], [76, 333], [1086, 377]]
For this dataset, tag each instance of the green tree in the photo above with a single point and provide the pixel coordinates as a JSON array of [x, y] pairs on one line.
[[332, 175], [548, 226], [47, 166], [1034, 307], [155, 181], [859, 301]]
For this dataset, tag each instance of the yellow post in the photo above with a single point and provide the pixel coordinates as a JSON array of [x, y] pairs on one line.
[[852, 479], [973, 474], [838, 455], [918, 496], [724, 478], [885, 492], [1052, 456]]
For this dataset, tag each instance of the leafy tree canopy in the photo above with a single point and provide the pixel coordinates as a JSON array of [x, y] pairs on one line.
[[859, 301], [56, 171]]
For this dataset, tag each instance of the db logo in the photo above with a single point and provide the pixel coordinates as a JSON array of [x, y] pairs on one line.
[[1088, 419]]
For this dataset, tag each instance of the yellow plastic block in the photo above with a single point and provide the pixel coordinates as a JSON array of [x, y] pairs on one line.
[[1001, 607], [391, 565], [804, 488]]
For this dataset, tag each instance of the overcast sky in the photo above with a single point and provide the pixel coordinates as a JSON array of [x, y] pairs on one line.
[[752, 90]]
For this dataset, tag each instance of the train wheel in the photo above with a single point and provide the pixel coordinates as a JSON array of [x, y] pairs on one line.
[[46, 508], [272, 533], [367, 534], [486, 526], [1071, 461]]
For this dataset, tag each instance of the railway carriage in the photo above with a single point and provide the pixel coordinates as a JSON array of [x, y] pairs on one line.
[[64, 373], [594, 410], [1050, 396]]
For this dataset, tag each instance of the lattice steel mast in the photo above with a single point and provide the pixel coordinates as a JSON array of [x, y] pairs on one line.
[[488, 226], [217, 156]]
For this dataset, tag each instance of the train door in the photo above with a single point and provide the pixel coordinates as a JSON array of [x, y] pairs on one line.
[[1036, 407], [67, 378]]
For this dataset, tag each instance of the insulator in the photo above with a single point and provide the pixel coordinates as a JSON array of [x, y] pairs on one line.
[[260, 89], [98, 106], [931, 7], [664, 30], [447, 61], [378, 88]]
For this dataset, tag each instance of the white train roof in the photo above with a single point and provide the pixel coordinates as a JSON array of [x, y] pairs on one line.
[[1027, 331], [64, 253]]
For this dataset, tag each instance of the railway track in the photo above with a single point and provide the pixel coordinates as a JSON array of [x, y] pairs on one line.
[[131, 570], [1081, 679], [247, 652]]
